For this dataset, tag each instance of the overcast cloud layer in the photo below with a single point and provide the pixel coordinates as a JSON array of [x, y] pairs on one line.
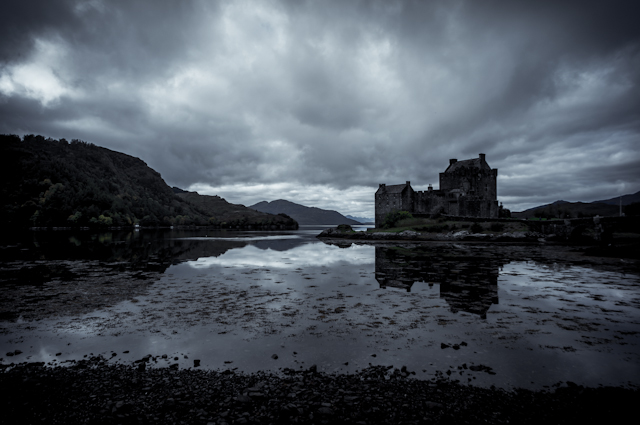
[[317, 102]]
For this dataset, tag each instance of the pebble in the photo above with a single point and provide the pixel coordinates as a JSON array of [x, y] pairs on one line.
[[95, 391]]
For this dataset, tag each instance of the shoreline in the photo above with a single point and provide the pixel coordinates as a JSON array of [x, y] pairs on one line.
[[92, 391]]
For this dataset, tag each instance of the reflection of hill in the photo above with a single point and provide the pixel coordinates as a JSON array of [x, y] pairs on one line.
[[146, 250], [140, 250], [69, 273], [467, 283]]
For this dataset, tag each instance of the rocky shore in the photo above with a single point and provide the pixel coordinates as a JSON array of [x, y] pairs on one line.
[[345, 232], [92, 391]]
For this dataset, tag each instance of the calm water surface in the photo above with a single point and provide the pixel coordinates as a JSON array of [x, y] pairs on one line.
[[233, 300]]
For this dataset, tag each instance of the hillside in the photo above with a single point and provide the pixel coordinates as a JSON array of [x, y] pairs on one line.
[[48, 183], [626, 200], [563, 209], [223, 213], [302, 214]]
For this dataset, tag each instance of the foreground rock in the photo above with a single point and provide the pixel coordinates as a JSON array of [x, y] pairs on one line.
[[93, 392]]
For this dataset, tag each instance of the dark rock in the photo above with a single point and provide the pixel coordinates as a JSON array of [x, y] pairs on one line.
[[196, 363], [443, 346], [96, 391], [243, 399], [326, 411], [274, 356], [433, 405]]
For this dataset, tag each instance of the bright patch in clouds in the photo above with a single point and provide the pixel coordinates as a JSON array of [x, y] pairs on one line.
[[38, 78]]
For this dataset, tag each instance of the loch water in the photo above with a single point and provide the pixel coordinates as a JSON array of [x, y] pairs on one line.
[[483, 314]]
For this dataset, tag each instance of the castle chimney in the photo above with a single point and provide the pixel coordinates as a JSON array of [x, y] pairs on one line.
[[482, 157], [408, 183], [382, 185], [452, 161], [430, 189]]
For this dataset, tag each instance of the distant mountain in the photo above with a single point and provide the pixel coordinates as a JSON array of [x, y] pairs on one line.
[[302, 214], [361, 219], [55, 183], [220, 211], [626, 200], [564, 209], [568, 210]]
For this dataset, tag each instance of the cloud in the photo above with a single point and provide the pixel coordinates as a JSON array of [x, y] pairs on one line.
[[335, 97]]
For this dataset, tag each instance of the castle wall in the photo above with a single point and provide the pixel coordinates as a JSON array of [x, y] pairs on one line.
[[467, 188], [386, 202], [471, 182], [430, 202]]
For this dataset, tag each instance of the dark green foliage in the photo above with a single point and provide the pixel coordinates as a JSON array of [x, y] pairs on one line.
[[476, 228], [391, 219], [496, 227], [47, 182], [504, 212], [632, 209]]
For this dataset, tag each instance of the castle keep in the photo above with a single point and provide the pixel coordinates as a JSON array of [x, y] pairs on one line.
[[467, 188]]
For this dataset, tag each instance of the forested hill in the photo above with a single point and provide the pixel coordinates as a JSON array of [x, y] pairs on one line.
[[46, 182]]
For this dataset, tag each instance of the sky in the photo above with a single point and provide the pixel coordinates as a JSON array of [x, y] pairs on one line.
[[318, 102]]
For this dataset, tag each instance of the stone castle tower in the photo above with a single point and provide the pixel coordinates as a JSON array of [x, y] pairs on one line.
[[467, 188]]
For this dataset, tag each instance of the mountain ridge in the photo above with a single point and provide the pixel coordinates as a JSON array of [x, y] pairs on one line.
[[565, 209], [301, 213], [362, 220]]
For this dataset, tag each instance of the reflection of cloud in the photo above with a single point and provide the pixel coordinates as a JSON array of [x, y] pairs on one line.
[[317, 254]]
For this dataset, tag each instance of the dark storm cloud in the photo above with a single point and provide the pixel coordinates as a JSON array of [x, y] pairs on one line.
[[302, 98]]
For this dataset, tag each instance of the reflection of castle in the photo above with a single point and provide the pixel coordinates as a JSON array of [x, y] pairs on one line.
[[467, 283]]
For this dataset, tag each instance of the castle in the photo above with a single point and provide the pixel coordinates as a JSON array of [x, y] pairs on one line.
[[467, 188]]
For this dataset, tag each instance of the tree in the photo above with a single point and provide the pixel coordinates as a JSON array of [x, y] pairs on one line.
[[392, 218]]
